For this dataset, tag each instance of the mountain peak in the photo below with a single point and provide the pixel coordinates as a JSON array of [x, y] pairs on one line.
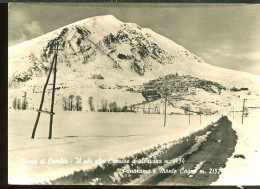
[[103, 45], [104, 19]]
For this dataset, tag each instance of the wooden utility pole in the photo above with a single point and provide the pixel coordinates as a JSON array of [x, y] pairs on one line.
[[97, 98], [200, 112], [237, 111], [189, 112], [24, 103], [165, 107], [232, 112], [244, 101], [189, 116], [53, 94], [165, 103], [25, 94], [53, 68]]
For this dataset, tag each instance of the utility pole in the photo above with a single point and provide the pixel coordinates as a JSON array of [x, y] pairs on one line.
[[187, 109], [165, 107], [53, 68], [24, 103], [53, 93], [232, 111], [244, 101], [25, 94], [97, 98], [200, 115], [189, 116], [165, 103]]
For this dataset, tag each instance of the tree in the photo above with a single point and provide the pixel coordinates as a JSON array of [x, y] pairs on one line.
[[131, 108], [187, 109], [71, 97], [19, 104], [124, 109], [113, 107], [104, 105], [65, 103], [110, 107], [90, 102], [24, 104], [15, 103], [78, 103]]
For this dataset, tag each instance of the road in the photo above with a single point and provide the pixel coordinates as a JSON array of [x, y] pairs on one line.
[[205, 162]]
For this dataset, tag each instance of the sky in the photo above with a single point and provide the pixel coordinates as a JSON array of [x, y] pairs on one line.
[[224, 35]]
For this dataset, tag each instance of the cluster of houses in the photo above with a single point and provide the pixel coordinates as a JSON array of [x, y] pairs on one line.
[[172, 85], [180, 85]]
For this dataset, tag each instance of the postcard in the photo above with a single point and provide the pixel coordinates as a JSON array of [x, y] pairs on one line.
[[133, 94]]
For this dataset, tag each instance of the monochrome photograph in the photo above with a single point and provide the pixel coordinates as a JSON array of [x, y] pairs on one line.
[[133, 94]]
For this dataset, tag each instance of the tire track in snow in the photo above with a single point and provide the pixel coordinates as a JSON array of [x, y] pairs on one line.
[[209, 158]]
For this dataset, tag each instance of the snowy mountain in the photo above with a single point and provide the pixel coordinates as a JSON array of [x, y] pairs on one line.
[[103, 57]]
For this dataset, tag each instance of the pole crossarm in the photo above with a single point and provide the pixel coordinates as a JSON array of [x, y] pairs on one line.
[[46, 112]]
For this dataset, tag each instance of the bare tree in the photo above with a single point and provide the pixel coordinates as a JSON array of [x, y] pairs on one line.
[[110, 107], [19, 104], [65, 103], [90, 102], [71, 97], [25, 104], [15, 103], [104, 105], [78, 103]]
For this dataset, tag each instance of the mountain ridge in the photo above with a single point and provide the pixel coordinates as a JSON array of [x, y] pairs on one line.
[[106, 53], [14, 50]]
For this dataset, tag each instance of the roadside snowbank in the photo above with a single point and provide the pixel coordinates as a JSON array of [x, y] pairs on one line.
[[240, 171]]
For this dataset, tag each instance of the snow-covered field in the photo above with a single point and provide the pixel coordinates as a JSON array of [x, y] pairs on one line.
[[86, 135], [241, 171]]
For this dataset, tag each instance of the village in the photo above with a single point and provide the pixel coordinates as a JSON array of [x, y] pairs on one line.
[[180, 92]]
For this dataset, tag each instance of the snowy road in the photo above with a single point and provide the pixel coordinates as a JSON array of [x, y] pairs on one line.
[[211, 157]]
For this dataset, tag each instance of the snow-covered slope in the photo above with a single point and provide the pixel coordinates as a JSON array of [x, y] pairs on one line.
[[103, 51]]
